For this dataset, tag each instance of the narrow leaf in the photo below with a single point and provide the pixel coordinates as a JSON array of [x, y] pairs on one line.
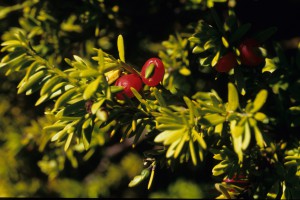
[[31, 81], [240, 32], [233, 98], [247, 136], [259, 100], [212, 119], [192, 152], [64, 98], [120, 45], [91, 89], [258, 137], [215, 59], [69, 140]]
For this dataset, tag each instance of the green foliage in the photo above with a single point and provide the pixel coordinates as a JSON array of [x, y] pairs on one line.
[[68, 63]]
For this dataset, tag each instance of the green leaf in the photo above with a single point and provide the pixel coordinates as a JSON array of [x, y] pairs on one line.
[[169, 136], [215, 59], [184, 71], [87, 133], [240, 32], [74, 108], [236, 129], [120, 44], [212, 119], [263, 35], [170, 126], [42, 99], [139, 178], [136, 180], [91, 89], [49, 85], [59, 135], [225, 42], [259, 100], [258, 137], [32, 80], [101, 61], [192, 152], [171, 149], [54, 127], [159, 97], [191, 108], [88, 73], [247, 136], [220, 168], [270, 66], [116, 89], [97, 105], [223, 190], [233, 98], [261, 117], [65, 97], [198, 49], [180, 145], [69, 140], [199, 138]]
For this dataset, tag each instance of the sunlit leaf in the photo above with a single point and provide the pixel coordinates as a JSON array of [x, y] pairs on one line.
[[259, 100], [233, 98], [91, 89], [120, 44]]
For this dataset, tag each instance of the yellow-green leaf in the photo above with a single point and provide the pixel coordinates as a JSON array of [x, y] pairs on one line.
[[199, 138], [192, 152], [212, 119], [247, 136], [59, 135], [91, 89], [171, 149], [261, 117], [180, 146], [215, 59], [69, 140], [258, 137], [159, 97], [135, 181], [233, 98], [185, 71], [65, 98], [49, 84], [165, 135], [31, 81], [88, 73], [120, 45], [97, 105], [259, 100], [225, 42]]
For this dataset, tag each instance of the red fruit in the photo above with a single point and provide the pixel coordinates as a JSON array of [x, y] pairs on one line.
[[249, 52], [157, 74], [226, 62], [127, 81], [237, 179]]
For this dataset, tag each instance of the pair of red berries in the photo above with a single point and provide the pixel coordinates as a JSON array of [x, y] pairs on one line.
[[249, 55], [152, 74]]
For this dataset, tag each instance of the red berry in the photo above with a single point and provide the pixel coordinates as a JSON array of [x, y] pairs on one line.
[[158, 72], [127, 81], [237, 179], [226, 62], [249, 52]]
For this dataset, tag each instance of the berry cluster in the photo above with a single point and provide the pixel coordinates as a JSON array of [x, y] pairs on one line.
[[249, 56], [152, 74]]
